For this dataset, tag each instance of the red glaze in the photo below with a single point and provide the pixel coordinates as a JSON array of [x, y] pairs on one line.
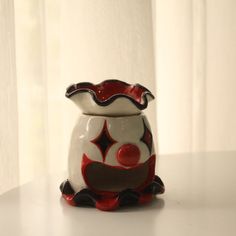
[[151, 174], [110, 204], [108, 88], [107, 204], [104, 141], [145, 198], [107, 91], [147, 137], [128, 155], [69, 198]]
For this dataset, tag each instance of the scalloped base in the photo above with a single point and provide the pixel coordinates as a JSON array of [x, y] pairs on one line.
[[128, 197]]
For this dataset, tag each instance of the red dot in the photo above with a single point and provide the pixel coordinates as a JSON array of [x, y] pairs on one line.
[[128, 155]]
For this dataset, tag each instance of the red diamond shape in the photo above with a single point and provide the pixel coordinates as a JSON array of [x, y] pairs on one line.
[[147, 137], [104, 141]]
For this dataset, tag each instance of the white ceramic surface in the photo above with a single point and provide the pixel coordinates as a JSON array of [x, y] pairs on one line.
[[123, 130], [121, 106]]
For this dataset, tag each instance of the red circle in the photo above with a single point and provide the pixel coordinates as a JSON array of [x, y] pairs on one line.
[[128, 155]]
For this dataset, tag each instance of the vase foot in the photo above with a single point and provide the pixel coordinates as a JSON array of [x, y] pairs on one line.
[[128, 197]]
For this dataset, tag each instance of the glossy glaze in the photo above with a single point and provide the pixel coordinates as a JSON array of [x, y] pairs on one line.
[[91, 132], [111, 97], [111, 152]]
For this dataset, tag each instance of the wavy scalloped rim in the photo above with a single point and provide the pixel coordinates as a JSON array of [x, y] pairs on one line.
[[128, 197], [108, 91]]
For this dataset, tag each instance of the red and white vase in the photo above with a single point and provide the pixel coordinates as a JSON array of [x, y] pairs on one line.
[[111, 157]]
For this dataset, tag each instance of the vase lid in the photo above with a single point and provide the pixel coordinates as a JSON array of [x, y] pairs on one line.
[[110, 97]]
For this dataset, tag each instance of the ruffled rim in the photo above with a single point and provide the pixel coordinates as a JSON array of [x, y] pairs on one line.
[[108, 91], [128, 197]]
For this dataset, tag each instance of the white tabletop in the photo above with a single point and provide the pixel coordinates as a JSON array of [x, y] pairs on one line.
[[200, 199]]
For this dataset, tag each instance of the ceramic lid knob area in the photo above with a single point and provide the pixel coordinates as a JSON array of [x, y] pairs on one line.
[[128, 155]]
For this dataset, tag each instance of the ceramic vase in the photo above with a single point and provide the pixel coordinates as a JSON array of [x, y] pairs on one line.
[[111, 159]]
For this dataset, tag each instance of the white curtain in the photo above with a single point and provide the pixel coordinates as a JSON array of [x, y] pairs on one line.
[[184, 51], [9, 158], [196, 75]]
